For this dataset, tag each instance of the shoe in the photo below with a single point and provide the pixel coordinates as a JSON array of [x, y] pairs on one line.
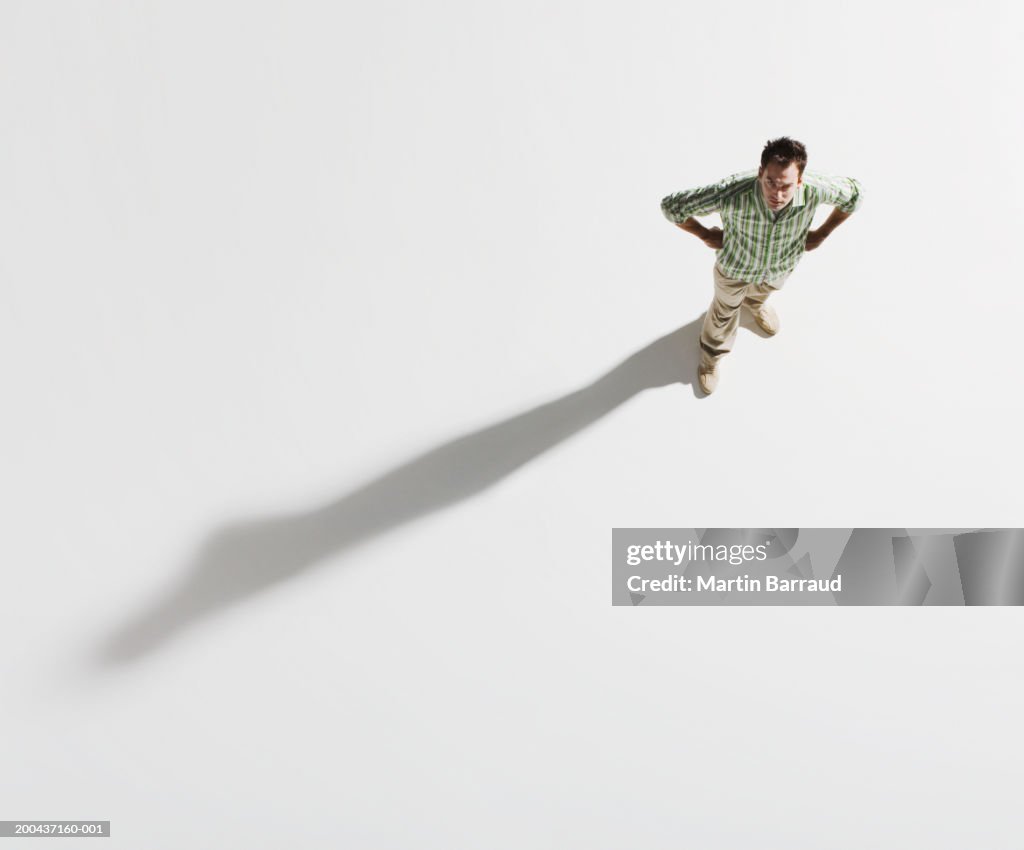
[[767, 319], [707, 377]]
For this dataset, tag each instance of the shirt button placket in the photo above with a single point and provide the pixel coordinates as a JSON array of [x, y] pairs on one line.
[[768, 248]]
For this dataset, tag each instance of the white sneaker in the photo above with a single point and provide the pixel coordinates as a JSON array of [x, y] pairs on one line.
[[767, 319], [707, 378]]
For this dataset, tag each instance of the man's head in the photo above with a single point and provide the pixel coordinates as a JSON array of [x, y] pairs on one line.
[[781, 171]]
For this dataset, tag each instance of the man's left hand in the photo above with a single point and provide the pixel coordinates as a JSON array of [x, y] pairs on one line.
[[814, 239]]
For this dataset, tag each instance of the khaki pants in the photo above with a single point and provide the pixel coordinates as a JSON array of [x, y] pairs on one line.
[[723, 316]]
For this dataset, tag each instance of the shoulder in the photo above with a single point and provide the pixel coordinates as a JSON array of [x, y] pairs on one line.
[[738, 183], [820, 180], [741, 177]]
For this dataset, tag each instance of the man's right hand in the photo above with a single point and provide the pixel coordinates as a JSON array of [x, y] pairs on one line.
[[712, 237]]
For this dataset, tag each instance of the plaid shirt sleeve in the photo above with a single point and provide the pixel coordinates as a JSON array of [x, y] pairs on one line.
[[843, 193], [703, 200]]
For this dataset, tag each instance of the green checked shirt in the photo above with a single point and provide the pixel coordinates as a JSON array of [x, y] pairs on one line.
[[757, 243]]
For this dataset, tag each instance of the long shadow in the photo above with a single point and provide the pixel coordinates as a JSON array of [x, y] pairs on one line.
[[243, 558]]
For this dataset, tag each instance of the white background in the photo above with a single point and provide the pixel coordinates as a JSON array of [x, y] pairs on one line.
[[256, 256]]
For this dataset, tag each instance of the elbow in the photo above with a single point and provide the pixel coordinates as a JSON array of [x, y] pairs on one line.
[[853, 204], [666, 209], [674, 211]]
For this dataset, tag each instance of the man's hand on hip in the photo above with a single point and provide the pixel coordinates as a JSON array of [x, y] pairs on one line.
[[814, 239], [713, 237]]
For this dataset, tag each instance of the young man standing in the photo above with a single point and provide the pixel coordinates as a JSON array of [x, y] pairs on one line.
[[766, 218]]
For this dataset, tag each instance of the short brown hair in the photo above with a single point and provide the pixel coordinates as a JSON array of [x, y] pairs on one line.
[[783, 151]]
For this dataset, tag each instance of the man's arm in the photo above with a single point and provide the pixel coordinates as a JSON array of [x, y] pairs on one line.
[[710, 236], [816, 237], [681, 207], [843, 193]]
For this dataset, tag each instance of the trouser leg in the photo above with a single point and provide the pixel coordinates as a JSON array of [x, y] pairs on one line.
[[722, 319], [756, 295]]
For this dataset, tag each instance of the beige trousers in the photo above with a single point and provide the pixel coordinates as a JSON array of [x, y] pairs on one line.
[[723, 316]]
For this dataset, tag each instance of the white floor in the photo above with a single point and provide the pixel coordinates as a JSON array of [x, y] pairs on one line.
[[334, 344]]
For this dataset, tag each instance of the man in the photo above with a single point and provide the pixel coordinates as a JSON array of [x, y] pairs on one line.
[[766, 219]]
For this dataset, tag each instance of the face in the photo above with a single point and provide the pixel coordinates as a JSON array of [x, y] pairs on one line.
[[778, 183]]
